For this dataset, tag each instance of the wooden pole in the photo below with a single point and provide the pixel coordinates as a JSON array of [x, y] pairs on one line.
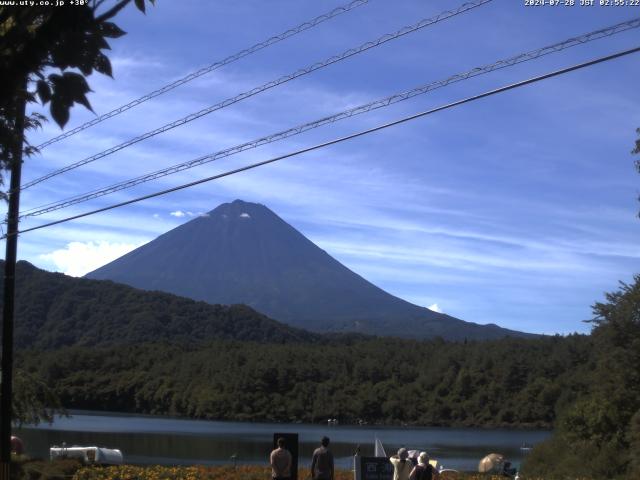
[[6, 392]]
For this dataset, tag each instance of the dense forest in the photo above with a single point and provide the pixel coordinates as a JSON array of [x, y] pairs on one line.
[[510, 382], [105, 346]]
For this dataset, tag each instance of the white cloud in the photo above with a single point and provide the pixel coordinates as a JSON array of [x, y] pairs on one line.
[[155, 215], [180, 214], [434, 308], [245, 215], [123, 63], [79, 258]]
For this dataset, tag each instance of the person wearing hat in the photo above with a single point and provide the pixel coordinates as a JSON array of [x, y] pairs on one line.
[[401, 465], [424, 470]]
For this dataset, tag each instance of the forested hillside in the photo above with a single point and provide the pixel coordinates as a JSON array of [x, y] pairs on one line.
[[54, 311], [510, 382]]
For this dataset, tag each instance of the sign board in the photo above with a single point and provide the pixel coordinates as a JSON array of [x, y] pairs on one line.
[[291, 444], [374, 468]]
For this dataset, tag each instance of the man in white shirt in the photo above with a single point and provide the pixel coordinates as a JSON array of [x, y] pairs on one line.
[[280, 460], [401, 465]]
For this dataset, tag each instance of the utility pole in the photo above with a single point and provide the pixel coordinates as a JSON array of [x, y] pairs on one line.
[[6, 392]]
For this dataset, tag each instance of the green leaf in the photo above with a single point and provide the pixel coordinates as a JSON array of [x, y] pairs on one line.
[[85, 64], [111, 30], [44, 91], [82, 100], [75, 89], [101, 42], [140, 5], [55, 79], [59, 112], [76, 82], [102, 64]]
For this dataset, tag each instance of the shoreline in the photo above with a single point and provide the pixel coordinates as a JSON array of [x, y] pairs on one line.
[[498, 426]]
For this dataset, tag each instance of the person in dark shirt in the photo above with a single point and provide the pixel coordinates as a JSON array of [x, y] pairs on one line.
[[424, 470], [322, 461], [508, 470]]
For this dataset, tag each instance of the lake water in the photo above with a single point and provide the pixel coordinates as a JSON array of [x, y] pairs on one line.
[[169, 441]]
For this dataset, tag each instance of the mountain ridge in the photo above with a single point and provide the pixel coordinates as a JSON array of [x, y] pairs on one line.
[[53, 310]]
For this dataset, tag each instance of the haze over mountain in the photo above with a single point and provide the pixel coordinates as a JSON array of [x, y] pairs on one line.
[[242, 252]]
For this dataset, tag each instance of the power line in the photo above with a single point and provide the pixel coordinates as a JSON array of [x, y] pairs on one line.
[[284, 79], [209, 68], [341, 139], [381, 103]]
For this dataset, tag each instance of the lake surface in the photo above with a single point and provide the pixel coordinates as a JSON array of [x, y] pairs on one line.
[[168, 441]]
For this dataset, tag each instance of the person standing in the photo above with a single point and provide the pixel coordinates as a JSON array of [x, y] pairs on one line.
[[402, 467], [322, 461], [280, 461], [424, 470]]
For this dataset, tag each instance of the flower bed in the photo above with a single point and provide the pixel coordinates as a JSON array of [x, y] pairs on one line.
[[129, 472]]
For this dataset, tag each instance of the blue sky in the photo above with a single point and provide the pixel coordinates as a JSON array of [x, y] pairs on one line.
[[518, 210]]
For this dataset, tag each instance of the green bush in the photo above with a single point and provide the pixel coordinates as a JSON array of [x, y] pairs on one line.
[[23, 468]]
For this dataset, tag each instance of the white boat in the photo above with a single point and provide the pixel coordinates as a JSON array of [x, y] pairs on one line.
[[88, 455]]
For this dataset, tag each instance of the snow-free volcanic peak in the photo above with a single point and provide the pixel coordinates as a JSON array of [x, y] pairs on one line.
[[242, 252]]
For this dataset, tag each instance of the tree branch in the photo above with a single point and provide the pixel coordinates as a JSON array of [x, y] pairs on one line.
[[113, 10]]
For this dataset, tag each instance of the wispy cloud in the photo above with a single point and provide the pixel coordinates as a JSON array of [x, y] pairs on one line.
[[187, 213]]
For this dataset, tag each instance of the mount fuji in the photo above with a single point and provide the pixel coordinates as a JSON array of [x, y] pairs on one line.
[[243, 253]]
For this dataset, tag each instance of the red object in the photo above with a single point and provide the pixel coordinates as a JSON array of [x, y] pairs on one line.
[[17, 446]]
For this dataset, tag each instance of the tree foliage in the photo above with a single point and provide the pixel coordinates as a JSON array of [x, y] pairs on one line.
[[510, 382], [636, 151], [46, 53], [599, 434], [33, 400]]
